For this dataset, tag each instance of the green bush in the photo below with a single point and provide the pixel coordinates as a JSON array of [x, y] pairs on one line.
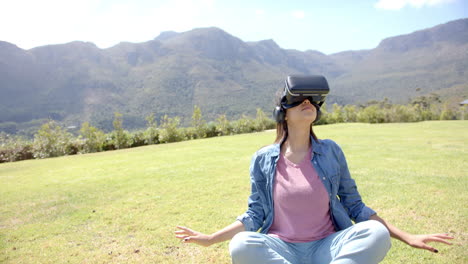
[[371, 114], [52, 141], [463, 112], [151, 136], [198, 124], [211, 130], [170, 131], [350, 113], [108, 143], [337, 115], [13, 148], [447, 113], [137, 139], [243, 125], [223, 127], [261, 120], [92, 138], [120, 139]]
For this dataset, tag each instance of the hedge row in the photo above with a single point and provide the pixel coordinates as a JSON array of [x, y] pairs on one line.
[[52, 140]]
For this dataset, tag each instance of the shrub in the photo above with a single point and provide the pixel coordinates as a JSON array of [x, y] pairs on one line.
[[447, 113], [151, 135], [119, 136], [223, 126], [243, 125], [108, 143], [52, 141], [188, 132], [93, 138], [119, 139], [198, 124], [350, 113], [336, 116], [137, 139], [261, 120], [13, 148], [211, 130], [371, 114], [170, 131]]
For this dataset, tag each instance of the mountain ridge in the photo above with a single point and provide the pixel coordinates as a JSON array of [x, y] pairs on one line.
[[78, 81]]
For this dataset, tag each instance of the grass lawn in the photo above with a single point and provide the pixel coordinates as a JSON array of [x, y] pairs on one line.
[[123, 206]]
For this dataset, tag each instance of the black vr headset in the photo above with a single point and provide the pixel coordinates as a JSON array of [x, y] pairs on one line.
[[297, 89]]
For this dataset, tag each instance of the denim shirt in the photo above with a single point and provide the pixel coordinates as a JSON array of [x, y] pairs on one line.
[[329, 162]]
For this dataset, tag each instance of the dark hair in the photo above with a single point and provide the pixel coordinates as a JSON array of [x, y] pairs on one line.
[[282, 127]]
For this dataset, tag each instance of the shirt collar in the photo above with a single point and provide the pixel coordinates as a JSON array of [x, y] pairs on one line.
[[316, 148]]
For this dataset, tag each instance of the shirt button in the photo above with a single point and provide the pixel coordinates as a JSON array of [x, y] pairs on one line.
[[323, 178]]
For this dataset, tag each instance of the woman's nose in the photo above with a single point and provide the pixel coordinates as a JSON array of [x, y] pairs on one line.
[[306, 101]]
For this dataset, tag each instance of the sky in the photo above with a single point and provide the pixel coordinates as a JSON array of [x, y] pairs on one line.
[[328, 26]]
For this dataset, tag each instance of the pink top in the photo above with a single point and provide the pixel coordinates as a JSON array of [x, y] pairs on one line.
[[301, 203]]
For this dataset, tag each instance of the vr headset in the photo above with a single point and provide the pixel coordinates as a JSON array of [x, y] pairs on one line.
[[299, 88]]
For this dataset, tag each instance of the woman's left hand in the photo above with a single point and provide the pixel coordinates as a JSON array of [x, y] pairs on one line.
[[420, 241]]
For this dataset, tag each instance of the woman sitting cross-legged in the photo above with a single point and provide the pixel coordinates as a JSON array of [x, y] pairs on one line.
[[303, 200]]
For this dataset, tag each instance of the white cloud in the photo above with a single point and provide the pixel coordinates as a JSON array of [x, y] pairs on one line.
[[31, 23], [399, 4], [49, 21], [299, 14]]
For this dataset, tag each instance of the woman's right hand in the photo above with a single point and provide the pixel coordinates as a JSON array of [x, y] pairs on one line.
[[188, 235]]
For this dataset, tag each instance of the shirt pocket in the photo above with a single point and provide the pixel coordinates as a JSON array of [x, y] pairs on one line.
[[333, 174]]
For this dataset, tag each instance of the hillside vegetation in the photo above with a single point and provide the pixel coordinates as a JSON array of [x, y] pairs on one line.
[[78, 82], [122, 206]]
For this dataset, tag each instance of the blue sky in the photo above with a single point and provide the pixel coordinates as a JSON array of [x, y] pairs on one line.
[[328, 26]]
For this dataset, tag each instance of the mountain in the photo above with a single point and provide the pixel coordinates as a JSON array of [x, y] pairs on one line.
[[402, 67], [77, 81]]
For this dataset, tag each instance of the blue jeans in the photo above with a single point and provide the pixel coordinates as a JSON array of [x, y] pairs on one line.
[[363, 243]]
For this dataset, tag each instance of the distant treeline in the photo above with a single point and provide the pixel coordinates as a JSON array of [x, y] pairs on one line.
[[52, 140], [421, 108]]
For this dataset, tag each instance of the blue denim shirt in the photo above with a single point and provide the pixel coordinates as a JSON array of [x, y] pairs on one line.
[[329, 162]]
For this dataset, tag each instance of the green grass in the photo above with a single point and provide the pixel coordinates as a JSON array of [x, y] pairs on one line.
[[123, 206]]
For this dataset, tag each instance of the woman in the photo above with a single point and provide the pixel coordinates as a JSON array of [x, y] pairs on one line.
[[303, 200]]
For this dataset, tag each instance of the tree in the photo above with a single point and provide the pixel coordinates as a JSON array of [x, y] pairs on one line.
[[151, 134], [243, 125], [350, 113], [447, 113], [169, 130], [119, 135], [13, 148], [93, 138], [198, 123], [463, 112], [336, 115], [371, 114], [222, 125], [403, 113], [51, 140], [261, 120]]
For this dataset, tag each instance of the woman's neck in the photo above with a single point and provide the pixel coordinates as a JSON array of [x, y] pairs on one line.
[[298, 140]]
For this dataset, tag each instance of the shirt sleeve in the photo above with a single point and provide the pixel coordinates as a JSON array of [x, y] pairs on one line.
[[348, 192], [253, 218]]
